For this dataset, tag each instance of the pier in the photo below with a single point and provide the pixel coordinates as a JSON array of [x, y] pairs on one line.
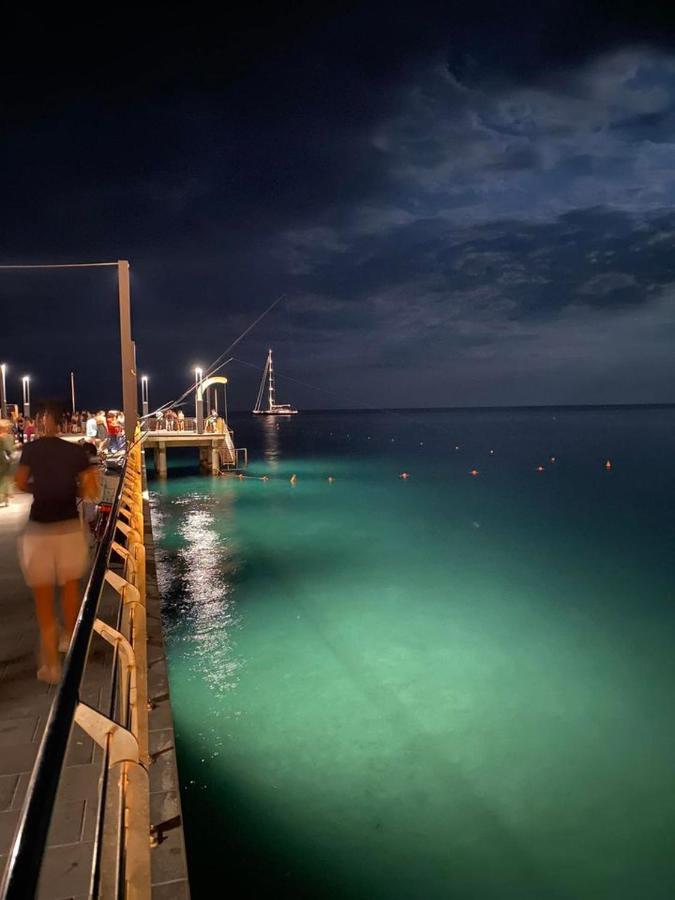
[[104, 797], [216, 451], [213, 438]]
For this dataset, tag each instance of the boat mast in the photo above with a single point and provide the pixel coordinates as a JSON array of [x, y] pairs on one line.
[[271, 381]]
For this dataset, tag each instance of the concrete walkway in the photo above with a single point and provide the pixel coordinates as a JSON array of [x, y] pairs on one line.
[[24, 707]]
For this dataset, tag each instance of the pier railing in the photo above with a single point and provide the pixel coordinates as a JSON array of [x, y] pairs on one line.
[[121, 857], [177, 426], [188, 425]]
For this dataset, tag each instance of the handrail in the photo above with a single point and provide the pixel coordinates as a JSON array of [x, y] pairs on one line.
[[22, 872]]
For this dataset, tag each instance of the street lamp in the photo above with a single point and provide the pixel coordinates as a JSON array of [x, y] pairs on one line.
[[199, 401], [145, 399], [3, 391], [26, 396]]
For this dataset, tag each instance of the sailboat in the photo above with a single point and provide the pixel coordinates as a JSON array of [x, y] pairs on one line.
[[273, 408]]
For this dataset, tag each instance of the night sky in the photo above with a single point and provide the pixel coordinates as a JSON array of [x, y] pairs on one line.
[[466, 205]]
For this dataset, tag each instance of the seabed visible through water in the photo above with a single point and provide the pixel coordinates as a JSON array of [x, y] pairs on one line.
[[445, 686]]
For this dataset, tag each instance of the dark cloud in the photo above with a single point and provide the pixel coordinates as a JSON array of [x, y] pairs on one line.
[[429, 184]]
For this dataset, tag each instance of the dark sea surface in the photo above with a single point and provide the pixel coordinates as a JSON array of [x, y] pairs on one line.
[[449, 686]]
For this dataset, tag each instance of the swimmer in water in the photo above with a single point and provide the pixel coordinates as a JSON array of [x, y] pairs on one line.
[[404, 475], [294, 479], [330, 479]]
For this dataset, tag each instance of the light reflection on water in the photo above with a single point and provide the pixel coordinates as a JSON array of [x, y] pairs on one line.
[[200, 570], [271, 441]]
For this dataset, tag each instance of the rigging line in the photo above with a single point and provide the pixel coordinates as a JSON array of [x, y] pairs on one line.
[[312, 387], [359, 404], [245, 332], [217, 363], [92, 265], [178, 401], [258, 399]]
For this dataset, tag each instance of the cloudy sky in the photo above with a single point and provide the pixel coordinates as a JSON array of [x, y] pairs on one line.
[[460, 207]]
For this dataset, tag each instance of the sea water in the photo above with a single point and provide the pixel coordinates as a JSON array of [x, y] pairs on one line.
[[450, 685]]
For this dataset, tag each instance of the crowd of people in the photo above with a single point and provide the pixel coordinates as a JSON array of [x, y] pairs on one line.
[[103, 429], [172, 420], [101, 433]]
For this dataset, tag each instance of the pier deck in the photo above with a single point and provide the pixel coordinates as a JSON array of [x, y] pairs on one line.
[[24, 706], [216, 451]]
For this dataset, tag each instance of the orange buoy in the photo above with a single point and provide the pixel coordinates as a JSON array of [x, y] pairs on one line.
[[404, 475], [608, 463], [474, 472]]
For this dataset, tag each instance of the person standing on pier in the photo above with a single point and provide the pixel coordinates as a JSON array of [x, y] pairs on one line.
[[6, 450], [91, 428], [52, 549], [101, 430]]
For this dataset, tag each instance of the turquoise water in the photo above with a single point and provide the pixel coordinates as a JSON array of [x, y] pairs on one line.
[[450, 686]]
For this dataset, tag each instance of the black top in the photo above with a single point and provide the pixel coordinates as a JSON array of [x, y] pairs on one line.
[[54, 466]]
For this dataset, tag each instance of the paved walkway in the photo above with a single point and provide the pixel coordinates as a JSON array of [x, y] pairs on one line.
[[24, 706]]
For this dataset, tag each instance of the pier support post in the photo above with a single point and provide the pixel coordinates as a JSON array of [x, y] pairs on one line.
[[160, 460], [204, 462], [215, 460]]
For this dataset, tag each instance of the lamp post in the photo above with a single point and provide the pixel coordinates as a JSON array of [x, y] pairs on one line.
[[129, 385], [72, 391], [145, 399], [3, 391], [199, 402], [26, 396]]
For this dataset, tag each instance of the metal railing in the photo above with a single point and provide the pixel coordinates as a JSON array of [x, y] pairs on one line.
[[188, 424], [121, 865]]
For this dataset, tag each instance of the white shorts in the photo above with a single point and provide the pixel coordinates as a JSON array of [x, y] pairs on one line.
[[53, 552]]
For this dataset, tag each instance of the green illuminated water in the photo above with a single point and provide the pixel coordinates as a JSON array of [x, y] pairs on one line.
[[443, 687]]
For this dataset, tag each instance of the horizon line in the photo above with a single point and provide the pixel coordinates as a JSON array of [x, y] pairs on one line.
[[655, 405]]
